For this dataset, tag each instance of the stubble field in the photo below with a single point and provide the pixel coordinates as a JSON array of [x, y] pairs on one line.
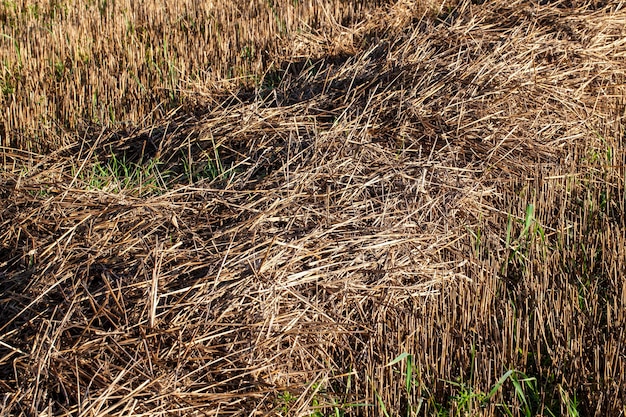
[[303, 208]]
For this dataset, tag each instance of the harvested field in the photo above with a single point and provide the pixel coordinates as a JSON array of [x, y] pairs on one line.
[[70, 65], [401, 208]]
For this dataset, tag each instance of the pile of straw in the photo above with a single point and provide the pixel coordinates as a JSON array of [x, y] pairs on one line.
[[449, 186]]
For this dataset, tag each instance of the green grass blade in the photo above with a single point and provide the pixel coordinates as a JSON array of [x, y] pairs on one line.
[[501, 381], [400, 358]]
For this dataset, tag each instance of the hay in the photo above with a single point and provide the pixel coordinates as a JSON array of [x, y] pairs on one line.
[[374, 201]]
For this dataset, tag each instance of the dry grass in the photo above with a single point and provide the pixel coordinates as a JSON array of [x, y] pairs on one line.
[[67, 65], [442, 181]]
